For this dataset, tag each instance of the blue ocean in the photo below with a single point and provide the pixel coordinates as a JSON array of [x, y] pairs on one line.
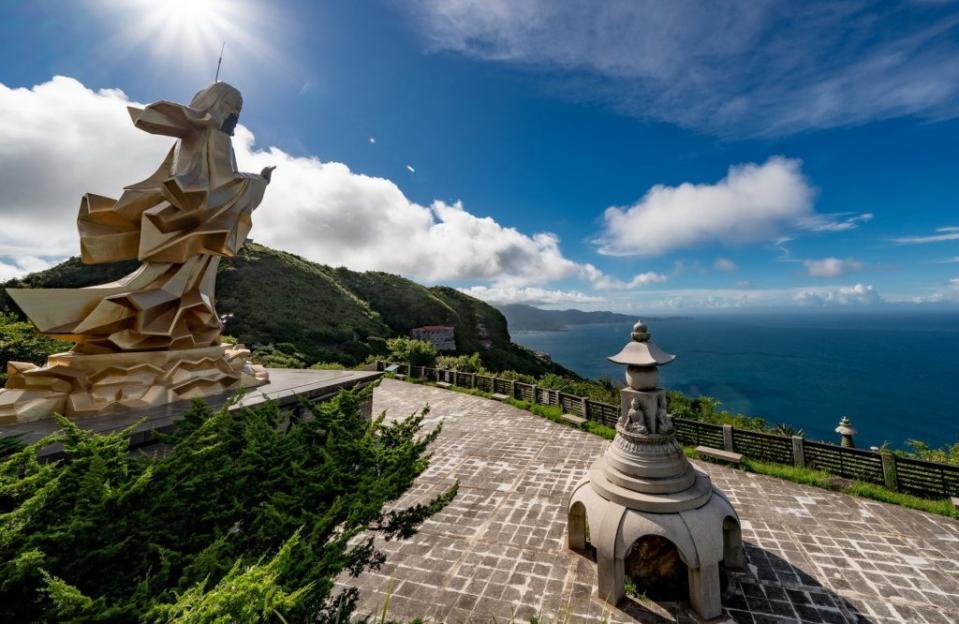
[[895, 375]]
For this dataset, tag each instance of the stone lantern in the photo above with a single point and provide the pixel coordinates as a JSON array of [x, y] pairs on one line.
[[643, 495], [846, 432]]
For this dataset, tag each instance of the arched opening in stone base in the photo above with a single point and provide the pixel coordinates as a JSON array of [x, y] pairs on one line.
[[578, 527], [733, 556], [654, 568]]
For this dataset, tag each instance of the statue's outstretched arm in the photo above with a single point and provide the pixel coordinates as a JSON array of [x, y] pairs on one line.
[[168, 119]]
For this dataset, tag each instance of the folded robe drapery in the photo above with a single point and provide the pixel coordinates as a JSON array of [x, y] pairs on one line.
[[194, 209]]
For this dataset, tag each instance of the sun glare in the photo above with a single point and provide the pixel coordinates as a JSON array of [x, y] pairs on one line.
[[187, 35]]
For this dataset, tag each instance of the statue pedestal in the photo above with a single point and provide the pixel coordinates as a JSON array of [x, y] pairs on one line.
[[77, 385]]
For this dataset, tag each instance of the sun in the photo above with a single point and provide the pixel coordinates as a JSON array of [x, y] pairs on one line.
[[187, 35]]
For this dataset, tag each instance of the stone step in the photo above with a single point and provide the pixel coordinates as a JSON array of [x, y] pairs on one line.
[[573, 419], [443, 384], [720, 454], [498, 397]]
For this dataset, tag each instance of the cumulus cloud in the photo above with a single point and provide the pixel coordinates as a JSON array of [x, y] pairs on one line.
[[739, 67], [724, 264], [942, 234], [752, 203], [59, 140], [16, 267], [531, 295], [604, 282], [860, 294], [831, 267], [948, 294]]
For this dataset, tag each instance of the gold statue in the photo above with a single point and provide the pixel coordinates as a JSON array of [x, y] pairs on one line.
[[153, 336]]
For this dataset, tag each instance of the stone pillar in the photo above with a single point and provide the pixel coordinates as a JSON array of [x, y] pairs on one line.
[[889, 475], [799, 452], [728, 437], [704, 591], [611, 578], [576, 533], [585, 408]]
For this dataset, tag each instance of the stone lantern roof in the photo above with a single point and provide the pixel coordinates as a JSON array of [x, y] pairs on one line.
[[641, 351]]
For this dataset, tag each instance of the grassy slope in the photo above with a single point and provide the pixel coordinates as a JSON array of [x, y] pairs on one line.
[[328, 314]]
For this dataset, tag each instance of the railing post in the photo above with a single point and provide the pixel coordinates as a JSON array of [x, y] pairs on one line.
[[728, 437], [512, 388], [586, 408], [889, 475], [799, 452], [473, 380]]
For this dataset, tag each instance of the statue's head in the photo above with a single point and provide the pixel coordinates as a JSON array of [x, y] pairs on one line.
[[222, 102]]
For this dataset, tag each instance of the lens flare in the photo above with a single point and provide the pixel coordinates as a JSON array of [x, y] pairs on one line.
[[186, 35]]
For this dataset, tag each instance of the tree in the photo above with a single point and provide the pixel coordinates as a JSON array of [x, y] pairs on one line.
[[415, 352], [248, 517]]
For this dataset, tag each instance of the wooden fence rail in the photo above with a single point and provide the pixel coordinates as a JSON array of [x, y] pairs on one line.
[[914, 476]]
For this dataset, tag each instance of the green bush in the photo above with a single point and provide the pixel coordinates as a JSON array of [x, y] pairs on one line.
[[706, 409], [416, 352], [283, 355], [944, 455], [240, 520], [20, 342], [601, 390], [328, 366], [463, 363], [514, 376]]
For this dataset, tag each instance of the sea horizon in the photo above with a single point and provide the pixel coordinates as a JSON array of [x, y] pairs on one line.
[[890, 372]]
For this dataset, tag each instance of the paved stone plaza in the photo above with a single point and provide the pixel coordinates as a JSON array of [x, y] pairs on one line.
[[497, 551]]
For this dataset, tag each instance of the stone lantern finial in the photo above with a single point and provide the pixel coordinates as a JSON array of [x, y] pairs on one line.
[[644, 488]]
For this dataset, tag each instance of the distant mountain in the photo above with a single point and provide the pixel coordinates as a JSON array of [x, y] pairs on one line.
[[523, 317], [321, 313]]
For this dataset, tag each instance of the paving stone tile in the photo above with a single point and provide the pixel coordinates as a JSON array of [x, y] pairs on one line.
[[497, 551]]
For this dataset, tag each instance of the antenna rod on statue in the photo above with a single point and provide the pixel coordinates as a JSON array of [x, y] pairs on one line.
[[218, 63]]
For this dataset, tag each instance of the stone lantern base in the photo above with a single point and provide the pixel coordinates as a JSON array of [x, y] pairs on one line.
[[645, 487]]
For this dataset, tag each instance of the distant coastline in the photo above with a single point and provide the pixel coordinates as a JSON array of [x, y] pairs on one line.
[[523, 318]]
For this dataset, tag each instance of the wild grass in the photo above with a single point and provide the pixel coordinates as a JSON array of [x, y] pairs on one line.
[[827, 481]]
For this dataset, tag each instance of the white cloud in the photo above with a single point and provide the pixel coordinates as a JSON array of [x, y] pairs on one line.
[[950, 293], [860, 294], [752, 203], [831, 267], [838, 222], [724, 264], [530, 295], [22, 265], [743, 296], [604, 282], [740, 67], [59, 140], [942, 234]]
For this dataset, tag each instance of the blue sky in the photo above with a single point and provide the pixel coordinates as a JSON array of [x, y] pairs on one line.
[[634, 156]]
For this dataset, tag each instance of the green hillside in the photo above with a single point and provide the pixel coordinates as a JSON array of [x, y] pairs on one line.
[[321, 313]]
